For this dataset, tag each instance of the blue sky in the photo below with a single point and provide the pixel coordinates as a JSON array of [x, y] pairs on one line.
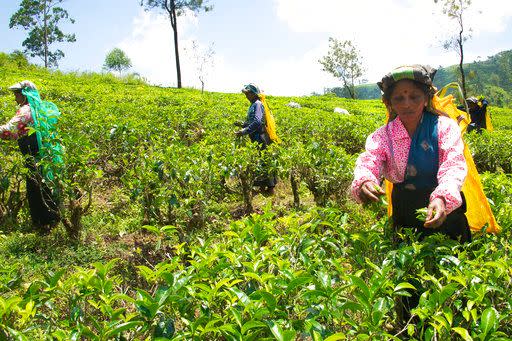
[[273, 43]]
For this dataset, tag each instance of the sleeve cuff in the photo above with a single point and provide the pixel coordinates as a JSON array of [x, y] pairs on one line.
[[356, 187], [452, 200]]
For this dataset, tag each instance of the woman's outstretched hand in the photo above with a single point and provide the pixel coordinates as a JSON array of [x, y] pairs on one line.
[[370, 191], [436, 213]]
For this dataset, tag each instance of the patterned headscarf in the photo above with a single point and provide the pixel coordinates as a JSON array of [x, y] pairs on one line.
[[22, 85], [419, 73], [472, 99], [251, 88]]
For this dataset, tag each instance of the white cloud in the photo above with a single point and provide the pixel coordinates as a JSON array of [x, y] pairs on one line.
[[299, 75], [388, 33], [294, 75], [392, 32], [489, 15], [152, 53], [151, 48]]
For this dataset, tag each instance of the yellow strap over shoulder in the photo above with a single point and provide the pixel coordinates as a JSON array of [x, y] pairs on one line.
[[488, 123], [478, 210], [270, 123]]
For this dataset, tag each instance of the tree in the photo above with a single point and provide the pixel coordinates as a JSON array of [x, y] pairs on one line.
[[344, 62], [455, 10], [41, 17], [19, 59], [175, 8], [203, 60], [117, 60]]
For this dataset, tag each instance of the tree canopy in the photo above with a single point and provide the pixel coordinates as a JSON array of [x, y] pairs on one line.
[[117, 60], [40, 18], [343, 61]]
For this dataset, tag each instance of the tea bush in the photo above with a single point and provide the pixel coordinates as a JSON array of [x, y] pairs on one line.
[[165, 238]]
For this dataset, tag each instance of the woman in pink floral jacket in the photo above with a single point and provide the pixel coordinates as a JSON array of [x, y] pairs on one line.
[[43, 201], [421, 152]]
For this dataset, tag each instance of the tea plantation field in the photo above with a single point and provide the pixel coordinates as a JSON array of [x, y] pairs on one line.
[[165, 239]]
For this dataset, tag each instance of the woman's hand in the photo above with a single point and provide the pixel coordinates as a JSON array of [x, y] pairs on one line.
[[370, 191], [436, 213]]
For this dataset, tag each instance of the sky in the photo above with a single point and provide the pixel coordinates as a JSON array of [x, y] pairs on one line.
[[275, 44]]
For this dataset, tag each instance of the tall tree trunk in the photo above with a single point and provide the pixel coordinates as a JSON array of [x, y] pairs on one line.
[[350, 91], [353, 87], [348, 86], [462, 75], [174, 24], [45, 19]]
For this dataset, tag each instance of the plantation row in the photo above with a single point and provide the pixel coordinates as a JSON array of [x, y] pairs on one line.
[[154, 179], [157, 144], [175, 154], [277, 279]]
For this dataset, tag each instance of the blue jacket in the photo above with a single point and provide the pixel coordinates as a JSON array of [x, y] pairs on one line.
[[254, 124], [478, 115]]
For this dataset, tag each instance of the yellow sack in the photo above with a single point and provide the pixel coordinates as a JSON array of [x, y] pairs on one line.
[[488, 123], [478, 210], [270, 123]]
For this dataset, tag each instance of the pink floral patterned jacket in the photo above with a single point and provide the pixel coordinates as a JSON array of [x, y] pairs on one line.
[[17, 126], [377, 162]]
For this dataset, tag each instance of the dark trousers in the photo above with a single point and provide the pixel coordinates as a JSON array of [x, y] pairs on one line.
[[264, 178], [42, 203], [405, 204]]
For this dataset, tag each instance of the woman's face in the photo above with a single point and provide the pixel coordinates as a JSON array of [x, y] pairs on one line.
[[19, 98], [251, 96], [407, 100], [472, 105]]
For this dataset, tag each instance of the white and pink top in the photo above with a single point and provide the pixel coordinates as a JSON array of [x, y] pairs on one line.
[[378, 162], [17, 126]]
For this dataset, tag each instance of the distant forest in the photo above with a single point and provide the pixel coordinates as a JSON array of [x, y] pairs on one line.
[[491, 78]]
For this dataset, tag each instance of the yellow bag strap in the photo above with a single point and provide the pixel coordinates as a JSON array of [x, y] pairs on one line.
[[459, 95], [270, 123], [488, 123], [453, 85]]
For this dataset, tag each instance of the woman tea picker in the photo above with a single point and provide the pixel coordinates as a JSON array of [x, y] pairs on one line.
[[34, 128], [421, 152], [261, 128]]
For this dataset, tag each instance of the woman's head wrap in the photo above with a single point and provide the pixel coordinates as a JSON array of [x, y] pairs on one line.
[[22, 85], [251, 88], [420, 73]]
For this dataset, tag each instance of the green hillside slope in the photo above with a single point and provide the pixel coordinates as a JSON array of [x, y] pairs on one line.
[[166, 239], [491, 78]]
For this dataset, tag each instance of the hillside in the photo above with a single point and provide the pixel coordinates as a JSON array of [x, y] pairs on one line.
[[491, 78], [168, 240]]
